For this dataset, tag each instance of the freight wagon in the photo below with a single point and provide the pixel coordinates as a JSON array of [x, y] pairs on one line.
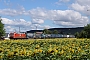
[[30, 35]]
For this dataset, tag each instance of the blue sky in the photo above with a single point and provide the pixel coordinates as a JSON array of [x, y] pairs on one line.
[[27, 14]]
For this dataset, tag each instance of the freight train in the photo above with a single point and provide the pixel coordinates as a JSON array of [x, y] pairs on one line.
[[37, 35]]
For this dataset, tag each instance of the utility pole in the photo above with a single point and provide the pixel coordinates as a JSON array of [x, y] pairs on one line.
[[19, 29], [34, 24], [36, 27]]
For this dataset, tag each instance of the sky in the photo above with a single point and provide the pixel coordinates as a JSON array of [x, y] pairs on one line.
[[25, 15]]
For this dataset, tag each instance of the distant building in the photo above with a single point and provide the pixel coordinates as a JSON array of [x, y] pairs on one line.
[[6, 37], [67, 31], [34, 33]]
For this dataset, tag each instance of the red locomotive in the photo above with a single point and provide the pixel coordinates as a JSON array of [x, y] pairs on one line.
[[17, 35]]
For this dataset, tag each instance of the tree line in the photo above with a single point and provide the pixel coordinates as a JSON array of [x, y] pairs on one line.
[[46, 31], [85, 33]]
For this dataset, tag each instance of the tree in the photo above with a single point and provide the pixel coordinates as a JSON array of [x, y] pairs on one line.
[[87, 30], [46, 31], [77, 34], [55, 32], [2, 30], [85, 33]]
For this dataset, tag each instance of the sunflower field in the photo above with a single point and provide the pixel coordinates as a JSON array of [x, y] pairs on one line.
[[45, 49]]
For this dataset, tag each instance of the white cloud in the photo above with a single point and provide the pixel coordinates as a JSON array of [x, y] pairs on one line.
[[10, 29], [11, 25], [16, 22], [38, 15], [7, 21], [46, 27], [13, 12], [37, 21], [70, 18], [81, 6], [64, 0], [83, 2], [9, 12], [78, 7], [61, 1], [67, 17], [39, 27]]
